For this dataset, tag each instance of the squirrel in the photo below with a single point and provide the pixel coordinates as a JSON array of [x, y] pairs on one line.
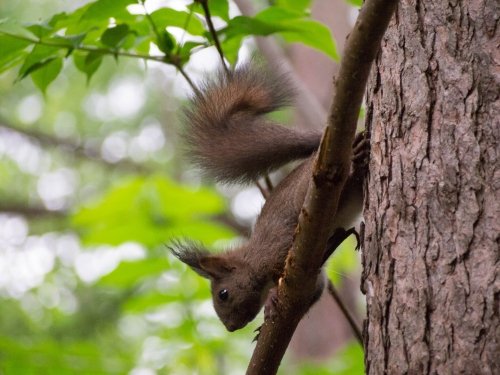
[[231, 140]]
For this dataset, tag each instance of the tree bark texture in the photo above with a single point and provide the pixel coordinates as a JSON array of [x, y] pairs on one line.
[[432, 214]]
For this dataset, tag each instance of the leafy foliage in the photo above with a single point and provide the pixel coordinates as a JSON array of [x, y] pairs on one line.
[[109, 27], [110, 298], [356, 3], [157, 210], [349, 361]]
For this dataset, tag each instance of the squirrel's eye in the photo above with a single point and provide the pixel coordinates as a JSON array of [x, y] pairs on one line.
[[223, 294]]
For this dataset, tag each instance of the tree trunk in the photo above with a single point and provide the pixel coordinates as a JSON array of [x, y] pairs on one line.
[[431, 254]]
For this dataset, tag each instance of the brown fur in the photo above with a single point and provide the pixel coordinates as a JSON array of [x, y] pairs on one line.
[[232, 142], [228, 136]]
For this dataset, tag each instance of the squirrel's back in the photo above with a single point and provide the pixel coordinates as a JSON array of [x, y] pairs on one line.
[[229, 137]]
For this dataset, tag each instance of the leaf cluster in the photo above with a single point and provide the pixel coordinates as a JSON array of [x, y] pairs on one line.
[[149, 311], [124, 28]]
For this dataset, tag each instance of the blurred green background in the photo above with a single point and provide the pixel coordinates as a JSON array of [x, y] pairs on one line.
[[93, 185]]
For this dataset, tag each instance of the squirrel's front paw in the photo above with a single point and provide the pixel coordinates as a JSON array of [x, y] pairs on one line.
[[270, 305], [269, 309], [338, 236], [360, 153], [258, 333]]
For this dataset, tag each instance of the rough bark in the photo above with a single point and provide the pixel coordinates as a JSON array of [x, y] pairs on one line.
[[432, 213], [330, 171], [324, 329]]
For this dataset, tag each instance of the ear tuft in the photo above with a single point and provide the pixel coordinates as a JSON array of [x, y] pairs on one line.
[[190, 253], [216, 266]]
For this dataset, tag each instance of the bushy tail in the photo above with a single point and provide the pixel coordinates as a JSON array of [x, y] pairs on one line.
[[228, 136]]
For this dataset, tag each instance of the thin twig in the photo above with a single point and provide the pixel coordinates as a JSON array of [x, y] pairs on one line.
[[74, 148], [330, 172], [262, 189], [173, 60], [269, 183], [229, 221], [184, 30], [150, 20], [31, 211], [211, 28], [104, 51], [349, 316], [186, 76], [310, 109], [163, 59]]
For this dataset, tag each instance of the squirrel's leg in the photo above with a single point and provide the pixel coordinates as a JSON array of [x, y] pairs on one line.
[[272, 297], [360, 155], [337, 238], [270, 310]]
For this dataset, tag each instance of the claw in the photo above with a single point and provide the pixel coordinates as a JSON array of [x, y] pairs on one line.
[[360, 155], [270, 305], [258, 333], [337, 238], [358, 238]]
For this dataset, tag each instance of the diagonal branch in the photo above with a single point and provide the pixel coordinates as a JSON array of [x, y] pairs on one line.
[[38, 211], [74, 148], [211, 28], [345, 311], [307, 104], [31, 212], [329, 175], [104, 51], [173, 60]]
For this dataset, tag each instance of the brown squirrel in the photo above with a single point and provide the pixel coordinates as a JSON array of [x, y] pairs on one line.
[[232, 141]]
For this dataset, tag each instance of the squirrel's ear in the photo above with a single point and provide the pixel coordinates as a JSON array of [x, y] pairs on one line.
[[200, 260], [215, 266]]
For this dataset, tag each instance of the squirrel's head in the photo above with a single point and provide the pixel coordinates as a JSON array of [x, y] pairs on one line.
[[237, 292]]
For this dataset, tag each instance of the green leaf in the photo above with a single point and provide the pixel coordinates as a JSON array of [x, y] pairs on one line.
[[143, 45], [47, 73], [203, 231], [56, 19], [301, 30], [36, 66], [297, 5], [288, 23], [356, 3], [343, 261], [166, 42], [347, 361], [105, 9], [71, 41], [75, 23], [11, 27], [12, 51], [113, 36], [39, 56], [169, 17], [156, 210], [87, 63], [40, 29], [313, 34], [39, 352], [241, 26], [129, 273], [231, 48], [279, 15], [218, 8], [187, 49], [147, 301]]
